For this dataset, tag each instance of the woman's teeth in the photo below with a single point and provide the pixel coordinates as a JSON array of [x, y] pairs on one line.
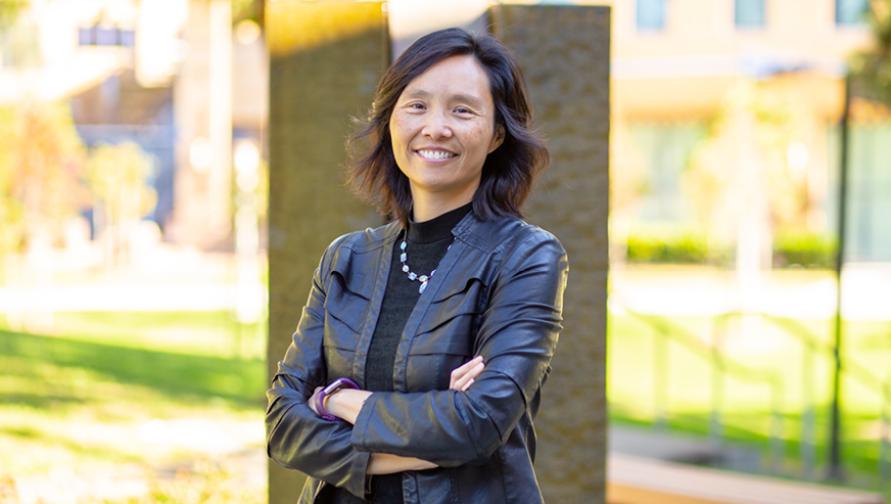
[[435, 154]]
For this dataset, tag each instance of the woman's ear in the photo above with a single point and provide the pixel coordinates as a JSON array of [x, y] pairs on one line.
[[497, 138]]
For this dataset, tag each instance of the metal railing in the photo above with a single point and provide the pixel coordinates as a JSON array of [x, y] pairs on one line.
[[850, 368], [722, 367]]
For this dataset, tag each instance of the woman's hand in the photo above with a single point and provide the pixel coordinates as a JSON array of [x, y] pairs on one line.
[[346, 403], [462, 377], [314, 400], [347, 408]]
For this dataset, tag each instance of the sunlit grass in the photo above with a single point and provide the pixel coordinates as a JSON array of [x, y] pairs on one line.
[[111, 413], [216, 333]]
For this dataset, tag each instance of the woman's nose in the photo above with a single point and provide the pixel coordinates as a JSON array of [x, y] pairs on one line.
[[436, 126]]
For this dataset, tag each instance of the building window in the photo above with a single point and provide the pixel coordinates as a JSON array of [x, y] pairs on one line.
[[749, 13], [650, 15], [106, 36], [665, 150], [851, 12]]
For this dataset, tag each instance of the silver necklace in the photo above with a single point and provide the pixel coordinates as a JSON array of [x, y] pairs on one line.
[[403, 258]]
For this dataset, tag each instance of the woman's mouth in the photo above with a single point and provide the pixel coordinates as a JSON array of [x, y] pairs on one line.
[[435, 154]]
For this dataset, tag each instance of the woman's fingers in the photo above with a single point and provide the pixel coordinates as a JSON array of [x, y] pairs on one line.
[[468, 377], [463, 376], [461, 370]]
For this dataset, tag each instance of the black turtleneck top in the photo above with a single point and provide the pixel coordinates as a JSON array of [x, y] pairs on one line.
[[426, 243]]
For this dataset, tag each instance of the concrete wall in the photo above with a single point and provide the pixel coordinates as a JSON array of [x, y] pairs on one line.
[[564, 53]]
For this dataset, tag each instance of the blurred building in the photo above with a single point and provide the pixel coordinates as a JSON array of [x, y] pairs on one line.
[[677, 64], [181, 78], [188, 84]]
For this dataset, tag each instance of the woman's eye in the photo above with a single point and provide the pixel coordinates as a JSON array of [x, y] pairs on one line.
[[416, 106], [463, 111]]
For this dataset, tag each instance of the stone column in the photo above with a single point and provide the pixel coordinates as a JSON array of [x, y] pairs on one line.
[[202, 213], [565, 52], [325, 60]]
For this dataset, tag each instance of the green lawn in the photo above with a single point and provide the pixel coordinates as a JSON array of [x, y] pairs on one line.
[[168, 407], [772, 374], [135, 408]]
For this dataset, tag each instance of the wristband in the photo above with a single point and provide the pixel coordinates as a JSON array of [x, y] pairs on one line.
[[333, 387]]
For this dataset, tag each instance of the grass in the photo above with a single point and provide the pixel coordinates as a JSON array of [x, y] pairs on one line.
[[770, 375], [178, 376], [168, 406], [213, 333], [109, 409]]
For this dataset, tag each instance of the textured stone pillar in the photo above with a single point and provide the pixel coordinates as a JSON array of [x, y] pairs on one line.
[[325, 60], [564, 53]]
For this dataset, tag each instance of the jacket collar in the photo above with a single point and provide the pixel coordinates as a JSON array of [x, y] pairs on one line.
[[470, 229]]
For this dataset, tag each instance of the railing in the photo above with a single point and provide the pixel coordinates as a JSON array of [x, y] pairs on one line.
[[722, 366], [850, 368]]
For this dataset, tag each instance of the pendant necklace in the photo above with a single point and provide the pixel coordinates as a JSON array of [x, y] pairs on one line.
[[403, 258]]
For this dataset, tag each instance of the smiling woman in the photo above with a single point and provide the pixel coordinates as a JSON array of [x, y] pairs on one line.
[[442, 129], [416, 368]]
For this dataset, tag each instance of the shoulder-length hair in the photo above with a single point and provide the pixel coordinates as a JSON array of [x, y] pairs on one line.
[[508, 171]]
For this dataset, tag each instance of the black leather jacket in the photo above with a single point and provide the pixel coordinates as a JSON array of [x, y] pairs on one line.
[[498, 292]]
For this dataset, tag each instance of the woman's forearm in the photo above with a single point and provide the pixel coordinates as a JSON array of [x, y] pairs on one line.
[[346, 403], [387, 463]]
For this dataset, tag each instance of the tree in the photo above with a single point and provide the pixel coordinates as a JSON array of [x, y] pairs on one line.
[[9, 12], [627, 184], [871, 68], [743, 168], [41, 166], [118, 177]]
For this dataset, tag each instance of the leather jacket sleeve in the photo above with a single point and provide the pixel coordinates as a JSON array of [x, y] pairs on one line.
[[517, 338], [296, 437]]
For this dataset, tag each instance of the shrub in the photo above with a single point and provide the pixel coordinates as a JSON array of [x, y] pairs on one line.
[[806, 250], [681, 249]]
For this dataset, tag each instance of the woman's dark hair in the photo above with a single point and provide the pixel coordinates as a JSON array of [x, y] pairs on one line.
[[508, 171]]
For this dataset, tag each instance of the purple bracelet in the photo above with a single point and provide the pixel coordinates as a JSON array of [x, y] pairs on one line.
[[330, 389]]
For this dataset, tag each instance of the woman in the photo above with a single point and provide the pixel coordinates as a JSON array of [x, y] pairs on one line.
[[416, 369]]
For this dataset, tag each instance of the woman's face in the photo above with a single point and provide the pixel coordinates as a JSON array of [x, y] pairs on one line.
[[442, 128]]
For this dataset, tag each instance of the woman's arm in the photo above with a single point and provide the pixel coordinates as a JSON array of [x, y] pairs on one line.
[[346, 403], [517, 337], [296, 437], [387, 463]]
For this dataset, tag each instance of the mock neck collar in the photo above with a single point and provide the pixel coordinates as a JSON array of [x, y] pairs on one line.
[[437, 228]]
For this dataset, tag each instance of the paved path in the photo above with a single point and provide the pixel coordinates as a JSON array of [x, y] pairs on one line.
[[169, 279], [184, 280], [700, 291]]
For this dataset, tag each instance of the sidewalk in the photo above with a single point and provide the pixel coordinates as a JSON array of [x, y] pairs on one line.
[[185, 280], [168, 279], [705, 291]]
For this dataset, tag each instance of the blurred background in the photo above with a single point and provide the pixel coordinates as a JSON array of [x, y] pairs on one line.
[[751, 147], [132, 271], [133, 268]]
